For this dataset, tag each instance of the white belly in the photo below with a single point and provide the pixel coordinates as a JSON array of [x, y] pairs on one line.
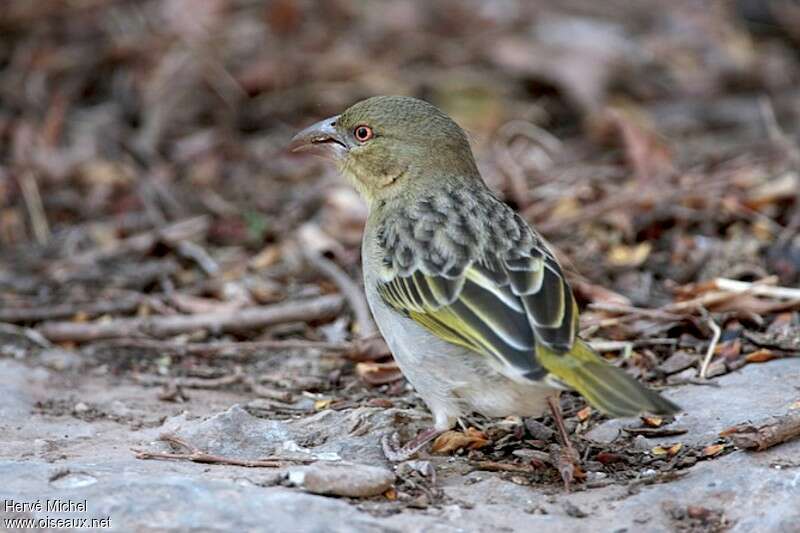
[[450, 379]]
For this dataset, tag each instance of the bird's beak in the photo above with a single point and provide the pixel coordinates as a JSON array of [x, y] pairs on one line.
[[321, 139]]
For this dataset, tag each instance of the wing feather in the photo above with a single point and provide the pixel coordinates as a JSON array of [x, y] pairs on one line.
[[497, 296]]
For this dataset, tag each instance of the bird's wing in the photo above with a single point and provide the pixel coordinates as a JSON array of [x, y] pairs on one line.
[[498, 294]]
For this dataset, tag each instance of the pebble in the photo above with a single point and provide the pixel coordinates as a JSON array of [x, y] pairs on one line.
[[538, 430], [342, 479]]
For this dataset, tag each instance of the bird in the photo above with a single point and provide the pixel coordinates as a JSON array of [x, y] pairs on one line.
[[470, 299]]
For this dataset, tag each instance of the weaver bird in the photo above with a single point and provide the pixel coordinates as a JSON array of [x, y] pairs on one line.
[[470, 299]]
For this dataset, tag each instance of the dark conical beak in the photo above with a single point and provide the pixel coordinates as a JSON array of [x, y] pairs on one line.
[[321, 139]]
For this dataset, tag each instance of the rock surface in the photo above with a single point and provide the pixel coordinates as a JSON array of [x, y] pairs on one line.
[[50, 452]]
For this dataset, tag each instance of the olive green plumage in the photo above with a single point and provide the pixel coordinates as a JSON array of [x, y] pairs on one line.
[[443, 252]]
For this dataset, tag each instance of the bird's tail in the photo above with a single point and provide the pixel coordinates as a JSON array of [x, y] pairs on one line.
[[607, 388]]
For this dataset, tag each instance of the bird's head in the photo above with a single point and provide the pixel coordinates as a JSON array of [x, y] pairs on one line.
[[391, 145]]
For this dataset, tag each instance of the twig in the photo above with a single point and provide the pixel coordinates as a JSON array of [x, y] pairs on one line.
[[198, 254], [30, 334], [545, 144], [494, 466], [197, 456], [192, 383], [351, 291], [613, 346], [224, 349], [115, 304], [758, 288], [318, 308], [173, 233], [652, 433], [758, 437], [33, 201], [711, 347]]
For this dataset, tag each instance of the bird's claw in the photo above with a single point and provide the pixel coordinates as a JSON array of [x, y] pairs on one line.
[[396, 453]]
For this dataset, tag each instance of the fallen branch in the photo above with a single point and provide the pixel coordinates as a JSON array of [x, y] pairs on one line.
[[319, 308], [223, 349], [758, 437], [494, 466], [757, 289], [197, 456], [33, 201], [124, 304], [141, 243], [192, 383]]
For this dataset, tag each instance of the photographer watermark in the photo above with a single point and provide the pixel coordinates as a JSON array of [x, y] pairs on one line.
[[57, 506]]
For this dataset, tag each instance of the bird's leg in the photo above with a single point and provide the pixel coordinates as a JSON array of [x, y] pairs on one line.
[[396, 453], [568, 460]]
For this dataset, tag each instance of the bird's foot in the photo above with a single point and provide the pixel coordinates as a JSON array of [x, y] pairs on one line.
[[568, 464], [396, 453], [566, 460]]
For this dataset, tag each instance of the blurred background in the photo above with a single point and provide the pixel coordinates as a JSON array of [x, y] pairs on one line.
[[164, 258], [143, 144]]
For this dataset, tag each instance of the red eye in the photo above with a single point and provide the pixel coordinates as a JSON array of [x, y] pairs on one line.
[[363, 133]]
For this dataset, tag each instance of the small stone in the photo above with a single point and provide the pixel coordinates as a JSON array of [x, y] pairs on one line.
[[538, 430], [683, 376], [80, 408], [717, 368], [641, 443], [678, 361], [342, 479]]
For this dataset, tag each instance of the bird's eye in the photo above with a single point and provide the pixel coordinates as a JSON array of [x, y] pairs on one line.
[[363, 133]]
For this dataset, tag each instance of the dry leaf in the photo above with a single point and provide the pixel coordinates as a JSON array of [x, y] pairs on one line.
[[669, 451], [760, 356], [713, 449], [379, 373], [652, 421], [320, 405], [609, 458], [390, 494], [266, 257], [629, 256], [584, 413], [450, 441], [598, 294]]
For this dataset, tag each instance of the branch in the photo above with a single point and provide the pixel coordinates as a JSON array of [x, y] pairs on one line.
[[767, 434], [319, 308], [198, 456]]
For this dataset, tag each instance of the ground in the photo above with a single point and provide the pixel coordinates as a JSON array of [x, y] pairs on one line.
[[184, 342]]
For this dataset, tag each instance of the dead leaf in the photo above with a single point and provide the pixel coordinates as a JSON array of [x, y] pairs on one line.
[[669, 451], [729, 350], [629, 256], [597, 293], [266, 257], [609, 458], [321, 405], [390, 494], [379, 373], [760, 356], [713, 450], [652, 421], [584, 413], [450, 441]]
